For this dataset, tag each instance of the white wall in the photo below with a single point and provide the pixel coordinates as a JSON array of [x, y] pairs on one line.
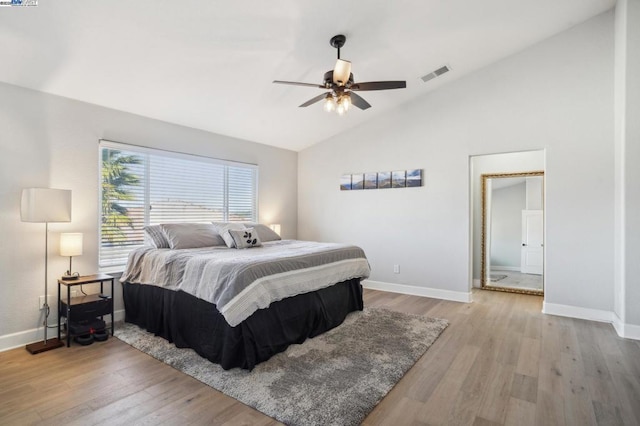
[[49, 141], [556, 96], [535, 193], [632, 170], [627, 185]]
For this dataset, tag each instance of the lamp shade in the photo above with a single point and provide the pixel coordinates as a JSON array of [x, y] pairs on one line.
[[45, 205], [71, 244], [341, 72]]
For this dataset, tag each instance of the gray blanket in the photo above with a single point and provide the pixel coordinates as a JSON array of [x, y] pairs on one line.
[[239, 282]]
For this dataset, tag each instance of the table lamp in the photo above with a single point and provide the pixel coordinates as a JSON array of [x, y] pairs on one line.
[[70, 245], [275, 227]]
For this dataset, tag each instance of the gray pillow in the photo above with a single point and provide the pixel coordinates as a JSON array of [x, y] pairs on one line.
[[264, 232], [191, 235], [223, 229], [154, 236], [245, 238]]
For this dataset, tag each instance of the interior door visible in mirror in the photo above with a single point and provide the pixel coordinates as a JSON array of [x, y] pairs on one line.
[[532, 258]]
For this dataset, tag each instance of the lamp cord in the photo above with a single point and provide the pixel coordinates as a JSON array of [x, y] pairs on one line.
[[46, 316]]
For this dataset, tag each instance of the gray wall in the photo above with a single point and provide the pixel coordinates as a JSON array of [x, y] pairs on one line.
[[49, 141], [555, 96], [627, 150]]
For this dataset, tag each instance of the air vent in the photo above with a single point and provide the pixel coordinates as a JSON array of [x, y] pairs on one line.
[[436, 73]]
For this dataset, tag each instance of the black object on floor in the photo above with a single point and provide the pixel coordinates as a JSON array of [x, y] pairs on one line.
[[84, 340]]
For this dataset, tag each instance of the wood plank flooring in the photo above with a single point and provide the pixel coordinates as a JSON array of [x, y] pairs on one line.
[[500, 362]]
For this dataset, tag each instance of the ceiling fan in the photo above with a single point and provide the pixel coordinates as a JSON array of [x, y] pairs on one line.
[[341, 86]]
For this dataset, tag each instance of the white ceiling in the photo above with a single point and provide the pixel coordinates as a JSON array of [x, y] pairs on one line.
[[210, 64]]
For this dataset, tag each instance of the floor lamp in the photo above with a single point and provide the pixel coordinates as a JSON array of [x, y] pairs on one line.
[[45, 205]]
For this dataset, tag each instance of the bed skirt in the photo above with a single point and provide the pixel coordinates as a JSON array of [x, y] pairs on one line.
[[190, 322]]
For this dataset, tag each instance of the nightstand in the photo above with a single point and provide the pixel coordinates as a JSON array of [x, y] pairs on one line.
[[84, 307]]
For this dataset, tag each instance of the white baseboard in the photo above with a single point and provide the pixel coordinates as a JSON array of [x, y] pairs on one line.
[[477, 283], [628, 331], [577, 312], [436, 293], [505, 268], [22, 338]]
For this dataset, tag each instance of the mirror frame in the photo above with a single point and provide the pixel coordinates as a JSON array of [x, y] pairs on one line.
[[483, 269]]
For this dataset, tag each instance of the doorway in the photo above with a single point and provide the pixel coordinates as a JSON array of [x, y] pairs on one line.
[[514, 163]]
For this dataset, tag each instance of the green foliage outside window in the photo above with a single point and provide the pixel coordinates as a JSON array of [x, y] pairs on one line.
[[117, 180]]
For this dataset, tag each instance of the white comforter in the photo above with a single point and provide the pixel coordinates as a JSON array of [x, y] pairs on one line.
[[239, 282]]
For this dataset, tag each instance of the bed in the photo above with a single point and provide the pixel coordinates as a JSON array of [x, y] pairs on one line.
[[238, 307]]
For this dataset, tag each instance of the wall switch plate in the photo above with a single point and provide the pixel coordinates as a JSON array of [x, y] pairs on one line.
[[396, 269]]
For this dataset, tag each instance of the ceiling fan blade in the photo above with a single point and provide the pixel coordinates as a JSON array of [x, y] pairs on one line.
[[296, 83], [358, 101], [379, 85], [314, 100], [341, 72]]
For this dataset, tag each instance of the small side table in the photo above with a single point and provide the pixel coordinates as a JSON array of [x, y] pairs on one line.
[[97, 306]]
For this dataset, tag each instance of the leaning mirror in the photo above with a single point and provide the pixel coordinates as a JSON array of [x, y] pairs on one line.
[[513, 232]]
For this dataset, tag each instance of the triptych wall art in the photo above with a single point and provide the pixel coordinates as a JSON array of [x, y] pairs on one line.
[[381, 180]]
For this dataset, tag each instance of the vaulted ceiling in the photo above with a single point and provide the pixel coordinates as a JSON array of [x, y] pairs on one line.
[[210, 64]]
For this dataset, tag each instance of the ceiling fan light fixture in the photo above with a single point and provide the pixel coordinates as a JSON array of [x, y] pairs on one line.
[[341, 72], [329, 103], [341, 87], [345, 101]]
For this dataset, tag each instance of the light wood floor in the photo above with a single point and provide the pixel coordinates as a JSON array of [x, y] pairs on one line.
[[500, 361]]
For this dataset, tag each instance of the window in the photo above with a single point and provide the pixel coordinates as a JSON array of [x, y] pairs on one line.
[[141, 186]]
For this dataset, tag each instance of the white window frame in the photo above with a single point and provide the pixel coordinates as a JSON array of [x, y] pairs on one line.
[[103, 143]]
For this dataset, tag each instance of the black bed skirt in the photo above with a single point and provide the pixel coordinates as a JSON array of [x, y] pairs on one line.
[[190, 322]]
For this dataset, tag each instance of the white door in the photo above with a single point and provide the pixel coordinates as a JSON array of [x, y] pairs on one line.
[[532, 258]]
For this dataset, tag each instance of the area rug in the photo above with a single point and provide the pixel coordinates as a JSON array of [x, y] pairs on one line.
[[336, 378], [497, 277]]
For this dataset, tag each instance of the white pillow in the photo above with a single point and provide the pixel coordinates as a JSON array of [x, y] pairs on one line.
[[223, 229], [154, 236], [264, 232], [191, 235], [245, 238]]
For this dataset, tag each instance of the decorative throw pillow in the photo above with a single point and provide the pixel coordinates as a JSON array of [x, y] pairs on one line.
[[264, 232], [154, 236], [245, 238], [223, 229], [191, 235]]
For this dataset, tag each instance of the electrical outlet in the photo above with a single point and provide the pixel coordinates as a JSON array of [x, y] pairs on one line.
[[396, 269], [41, 301]]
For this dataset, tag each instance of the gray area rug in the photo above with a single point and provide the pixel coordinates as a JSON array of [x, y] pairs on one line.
[[336, 378]]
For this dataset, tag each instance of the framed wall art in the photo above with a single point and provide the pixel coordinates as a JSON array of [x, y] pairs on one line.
[[409, 178], [357, 181], [370, 180], [399, 179]]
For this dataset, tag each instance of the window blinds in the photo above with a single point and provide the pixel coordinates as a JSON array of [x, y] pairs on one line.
[[142, 186]]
